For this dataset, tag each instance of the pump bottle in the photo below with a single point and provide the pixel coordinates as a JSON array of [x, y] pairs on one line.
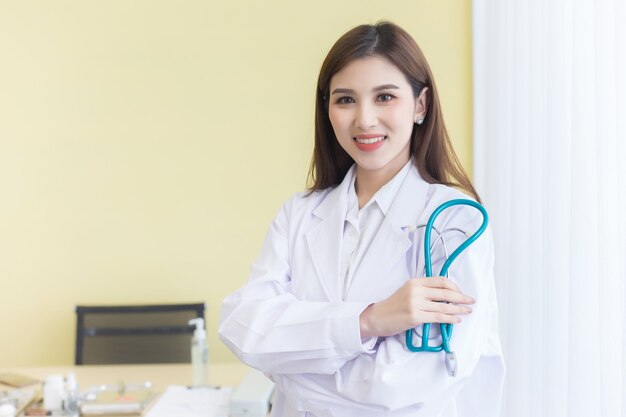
[[70, 404], [199, 353]]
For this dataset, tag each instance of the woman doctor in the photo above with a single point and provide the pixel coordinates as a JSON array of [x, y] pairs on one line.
[[340, 277]]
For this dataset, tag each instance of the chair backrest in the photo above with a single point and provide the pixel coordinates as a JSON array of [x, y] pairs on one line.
[[135, 334]]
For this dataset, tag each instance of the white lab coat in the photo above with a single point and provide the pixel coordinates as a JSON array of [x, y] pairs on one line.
[[292, 321]]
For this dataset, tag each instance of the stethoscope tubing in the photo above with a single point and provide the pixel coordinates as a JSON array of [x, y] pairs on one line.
[[446, 328]]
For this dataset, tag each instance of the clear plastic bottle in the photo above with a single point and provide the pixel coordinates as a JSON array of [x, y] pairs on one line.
[[70, 404], [199, 353]]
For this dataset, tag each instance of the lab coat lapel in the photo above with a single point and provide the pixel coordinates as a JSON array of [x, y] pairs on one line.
[[409, 204], [324, 239], [391, 242]]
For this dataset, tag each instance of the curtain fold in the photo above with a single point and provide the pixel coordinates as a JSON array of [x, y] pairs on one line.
[[550, 164]]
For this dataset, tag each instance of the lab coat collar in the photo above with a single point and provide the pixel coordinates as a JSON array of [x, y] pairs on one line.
[[392, 241], [382, 198], [324, 239], [338, 197], [385, 196], [410, 201], [389, 245]]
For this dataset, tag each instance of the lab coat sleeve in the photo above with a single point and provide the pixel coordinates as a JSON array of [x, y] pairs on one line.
[[393, 378], [268, 328]]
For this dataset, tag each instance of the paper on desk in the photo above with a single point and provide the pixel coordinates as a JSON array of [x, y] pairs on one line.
[[181, 401]]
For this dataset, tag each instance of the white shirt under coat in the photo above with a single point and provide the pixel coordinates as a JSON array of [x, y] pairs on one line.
[[298, 321], [361, 225]]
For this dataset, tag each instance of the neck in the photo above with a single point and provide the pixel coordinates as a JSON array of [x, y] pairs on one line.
[[368, 182]]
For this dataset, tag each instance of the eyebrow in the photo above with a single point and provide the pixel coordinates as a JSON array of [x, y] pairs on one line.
[[380, 87]]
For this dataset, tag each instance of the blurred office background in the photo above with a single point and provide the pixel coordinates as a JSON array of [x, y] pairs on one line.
[[146, 145]]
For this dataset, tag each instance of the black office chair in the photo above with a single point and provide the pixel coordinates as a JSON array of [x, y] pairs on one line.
[[135, 334]]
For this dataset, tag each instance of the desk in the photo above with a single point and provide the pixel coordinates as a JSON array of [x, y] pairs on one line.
[[160, 375]]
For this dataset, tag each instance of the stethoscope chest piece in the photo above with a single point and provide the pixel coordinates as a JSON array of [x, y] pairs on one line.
[[451, 365]]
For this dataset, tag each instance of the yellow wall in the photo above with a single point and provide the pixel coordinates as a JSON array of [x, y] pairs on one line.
[[146, 145]]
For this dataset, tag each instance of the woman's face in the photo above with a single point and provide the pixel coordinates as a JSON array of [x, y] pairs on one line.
[[372, 110]]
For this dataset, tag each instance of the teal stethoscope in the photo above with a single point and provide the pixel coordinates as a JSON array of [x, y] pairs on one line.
[[446, 328]]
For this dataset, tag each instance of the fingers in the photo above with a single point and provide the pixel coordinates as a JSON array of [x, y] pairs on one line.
[[441, 318], [443, 289], [440, 282], [448, 296], [443, 308], [444, 313], [436, 312]]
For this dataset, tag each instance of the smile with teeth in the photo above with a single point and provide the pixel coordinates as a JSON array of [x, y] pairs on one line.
[[371, 140]]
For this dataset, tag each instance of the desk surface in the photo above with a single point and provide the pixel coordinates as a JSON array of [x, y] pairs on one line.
[[160, 375]]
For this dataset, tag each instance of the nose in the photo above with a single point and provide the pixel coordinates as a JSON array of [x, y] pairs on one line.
[[366, 116]]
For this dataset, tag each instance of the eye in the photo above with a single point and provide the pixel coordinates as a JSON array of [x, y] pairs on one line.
[[385, 97], [344, 100]]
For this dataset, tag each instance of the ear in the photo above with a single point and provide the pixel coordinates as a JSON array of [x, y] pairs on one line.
[[421, 104]]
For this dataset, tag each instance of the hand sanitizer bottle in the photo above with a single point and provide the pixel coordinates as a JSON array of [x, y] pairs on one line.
[[71, 400], [199, 353]]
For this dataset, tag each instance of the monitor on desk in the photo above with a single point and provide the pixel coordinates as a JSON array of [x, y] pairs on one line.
[[135, 334]]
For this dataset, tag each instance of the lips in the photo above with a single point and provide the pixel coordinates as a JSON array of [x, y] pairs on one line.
[[369, 143]]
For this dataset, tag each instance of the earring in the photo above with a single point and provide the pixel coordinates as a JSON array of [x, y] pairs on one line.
[[419, 121]]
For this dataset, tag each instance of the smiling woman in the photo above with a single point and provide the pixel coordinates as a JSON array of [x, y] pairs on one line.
[[340, 277], [381, 54], [373, 116]]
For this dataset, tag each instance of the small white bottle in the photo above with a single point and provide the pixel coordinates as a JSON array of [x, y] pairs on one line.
[[53, 393], [199, 353], [71, 398]]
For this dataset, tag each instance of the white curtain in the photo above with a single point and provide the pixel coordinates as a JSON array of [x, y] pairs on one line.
[[550, 164]]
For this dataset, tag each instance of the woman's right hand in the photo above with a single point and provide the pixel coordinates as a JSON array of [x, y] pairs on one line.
[[418, 301]]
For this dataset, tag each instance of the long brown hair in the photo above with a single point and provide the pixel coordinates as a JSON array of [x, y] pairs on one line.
[[430, 145]]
